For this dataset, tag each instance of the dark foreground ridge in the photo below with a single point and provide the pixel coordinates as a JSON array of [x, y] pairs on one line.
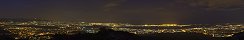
[[108, 34], [4, 36], [239, 36]]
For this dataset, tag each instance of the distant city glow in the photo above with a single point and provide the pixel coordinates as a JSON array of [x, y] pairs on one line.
[[41, 28]]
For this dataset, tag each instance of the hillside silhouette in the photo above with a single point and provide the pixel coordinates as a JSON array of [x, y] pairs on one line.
[[109, 34], [239, 36], [5, 35]]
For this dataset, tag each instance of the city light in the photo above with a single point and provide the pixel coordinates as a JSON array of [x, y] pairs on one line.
[[40, 28]]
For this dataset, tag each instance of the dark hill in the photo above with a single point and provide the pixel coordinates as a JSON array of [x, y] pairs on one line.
[[5, 35], [108, 34], [239, 36]]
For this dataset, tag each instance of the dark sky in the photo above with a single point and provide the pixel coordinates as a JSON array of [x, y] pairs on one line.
[[128, 11]]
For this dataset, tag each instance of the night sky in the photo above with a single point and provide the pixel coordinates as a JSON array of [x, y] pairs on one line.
[[128, 11]]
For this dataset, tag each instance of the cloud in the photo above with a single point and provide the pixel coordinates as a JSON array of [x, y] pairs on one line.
[[215, 4], [112, 4]]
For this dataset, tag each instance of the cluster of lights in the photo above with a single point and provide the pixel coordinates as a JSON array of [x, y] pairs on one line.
[[69, 28], [162, 25]]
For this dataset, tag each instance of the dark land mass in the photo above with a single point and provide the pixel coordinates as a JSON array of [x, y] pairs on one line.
[[5, 35], [108, 34]]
